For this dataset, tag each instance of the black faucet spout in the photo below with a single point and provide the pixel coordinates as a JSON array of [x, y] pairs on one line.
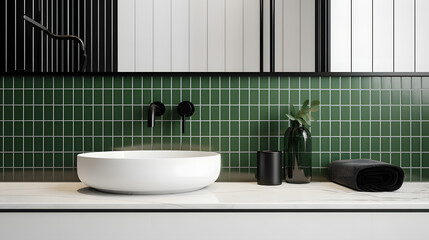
[[156, 109]]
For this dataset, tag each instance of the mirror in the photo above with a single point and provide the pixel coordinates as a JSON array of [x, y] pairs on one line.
[[151, 35], [215, 36]]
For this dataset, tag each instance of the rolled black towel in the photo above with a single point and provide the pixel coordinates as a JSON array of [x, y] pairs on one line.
[[366, 175]]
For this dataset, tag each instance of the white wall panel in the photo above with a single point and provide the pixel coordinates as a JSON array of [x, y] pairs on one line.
[[279, 37], [180, 35], [162, 35], [198, 35], [251, 36], [234, 35], [383, 36], [144, 35], [308, 36], [362, 36], [126, 37], [422, 36], [340, 35], [192, 35], [216, 35], [404, 36], [291, 35], [266, 36]]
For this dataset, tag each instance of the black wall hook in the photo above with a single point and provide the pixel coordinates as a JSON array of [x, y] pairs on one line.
[[185, 109]]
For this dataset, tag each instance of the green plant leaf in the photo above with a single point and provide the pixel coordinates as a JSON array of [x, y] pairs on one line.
[[303, 116], [292, 110], [314, 109], [306, 120], [314, 106], [315, 103], [291, 117], [305, 103]]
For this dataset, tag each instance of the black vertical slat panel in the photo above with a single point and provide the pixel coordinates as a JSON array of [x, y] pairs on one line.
[[95, 38], [66, 43], [10, 35], [108, 34], [272, 36], [37, 48], [261, 35], [62, 31], [3, 22], [53, 41], [95, 21], [48, 16], [76, 48], [81, 24], [28, 35], [47, 54], [115, 36], [88, 31], [38, 59], [101, 38], [72, 19], [71, 44], [19, 51]]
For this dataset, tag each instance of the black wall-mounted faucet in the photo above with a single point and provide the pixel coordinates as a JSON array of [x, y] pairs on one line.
[[62, 37], [185, 109], [156, 109]]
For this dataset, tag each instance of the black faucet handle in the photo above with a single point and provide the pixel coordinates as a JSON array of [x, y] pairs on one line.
[[159, 108], [185, 109], [156, 109]]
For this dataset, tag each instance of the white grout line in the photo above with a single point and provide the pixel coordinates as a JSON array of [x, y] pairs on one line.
[[171, 115], [210, 114], [199, 107], [248, 125], [229, 125], [350, 117], [330, 122], [151, 101], [269, 115], [379, 105], [411, 133], [279, 148], [132, 113], [320, 124], [340, 139], [162, 117], [421, 130], [102, 114]]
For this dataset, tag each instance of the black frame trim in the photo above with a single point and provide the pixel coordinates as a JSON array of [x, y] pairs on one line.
[[272, 35], [261, 36], [246, 74], [323, 33]]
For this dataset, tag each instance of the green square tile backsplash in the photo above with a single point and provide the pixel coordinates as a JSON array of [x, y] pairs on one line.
[[46, 121]]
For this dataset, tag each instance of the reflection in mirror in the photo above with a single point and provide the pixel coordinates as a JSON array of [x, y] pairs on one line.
[[82, 60], [161, 35], [26, 48]]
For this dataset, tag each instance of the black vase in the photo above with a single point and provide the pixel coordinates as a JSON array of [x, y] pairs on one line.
[[297, 153]]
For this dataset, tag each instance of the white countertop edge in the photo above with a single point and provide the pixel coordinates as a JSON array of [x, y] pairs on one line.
[[318, 196]]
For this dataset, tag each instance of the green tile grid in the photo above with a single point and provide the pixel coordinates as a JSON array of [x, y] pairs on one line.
[[46, 121]]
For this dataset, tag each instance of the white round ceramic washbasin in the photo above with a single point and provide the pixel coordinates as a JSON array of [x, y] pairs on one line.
[[148, 172]]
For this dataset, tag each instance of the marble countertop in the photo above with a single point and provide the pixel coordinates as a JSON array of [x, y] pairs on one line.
[[218, 196]]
